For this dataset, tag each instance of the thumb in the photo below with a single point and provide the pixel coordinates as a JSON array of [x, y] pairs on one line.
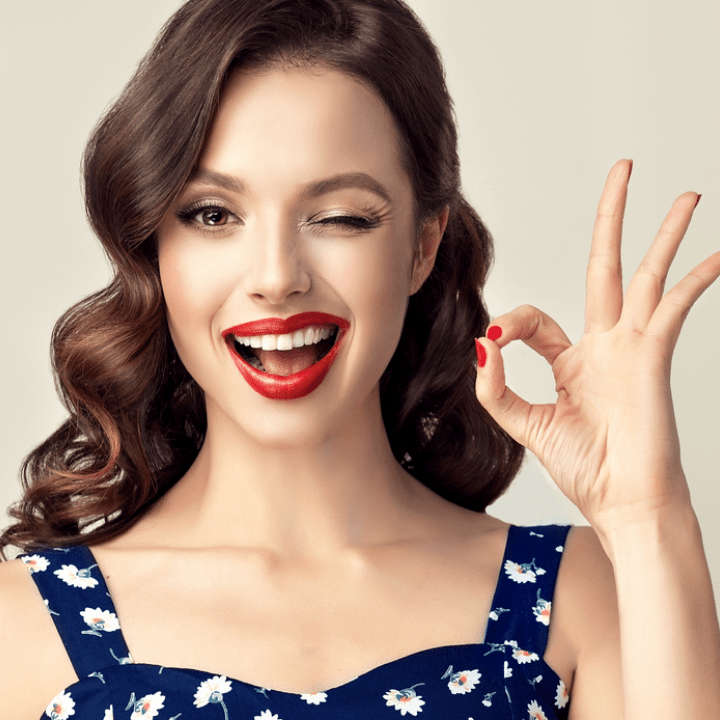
[[514, 415]]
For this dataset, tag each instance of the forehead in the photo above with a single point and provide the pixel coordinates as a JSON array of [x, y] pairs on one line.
[[295, 124]]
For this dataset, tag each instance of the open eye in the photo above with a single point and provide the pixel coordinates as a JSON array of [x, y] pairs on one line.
[[212, 216], [207, 215]]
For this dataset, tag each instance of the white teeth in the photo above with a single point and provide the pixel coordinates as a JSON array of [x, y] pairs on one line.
[[284, 342], [297, 339]]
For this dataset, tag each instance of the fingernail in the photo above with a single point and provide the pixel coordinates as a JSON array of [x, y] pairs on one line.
[[481, 353], [630, 168], [494, 332], [698, 200]]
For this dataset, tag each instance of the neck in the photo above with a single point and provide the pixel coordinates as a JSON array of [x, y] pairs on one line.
[[345, 490]]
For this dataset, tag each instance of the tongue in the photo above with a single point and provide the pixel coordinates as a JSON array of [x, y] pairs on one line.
[[287, 362]]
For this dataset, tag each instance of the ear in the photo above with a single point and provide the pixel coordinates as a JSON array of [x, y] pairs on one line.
[[428, 243]]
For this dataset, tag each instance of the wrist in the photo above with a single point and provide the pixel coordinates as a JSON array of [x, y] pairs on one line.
[[635, 533]]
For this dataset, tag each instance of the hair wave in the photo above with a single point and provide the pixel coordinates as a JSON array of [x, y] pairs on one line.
[[137, 418]]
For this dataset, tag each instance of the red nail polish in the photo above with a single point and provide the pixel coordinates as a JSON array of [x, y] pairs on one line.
[[698, 199], [481, 353], [494, 332]]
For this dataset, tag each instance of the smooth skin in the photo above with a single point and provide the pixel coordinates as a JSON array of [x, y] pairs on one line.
[[296, 553]]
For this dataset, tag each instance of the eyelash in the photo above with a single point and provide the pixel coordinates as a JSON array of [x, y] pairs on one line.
[[187, 216], [351, 222]]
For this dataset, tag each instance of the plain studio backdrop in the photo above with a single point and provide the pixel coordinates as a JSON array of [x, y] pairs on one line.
[[548, 95]]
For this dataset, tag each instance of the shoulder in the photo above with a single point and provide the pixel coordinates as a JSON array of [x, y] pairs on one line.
[[32, 653]]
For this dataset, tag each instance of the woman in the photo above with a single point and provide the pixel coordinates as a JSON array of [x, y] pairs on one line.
[[286, 350]]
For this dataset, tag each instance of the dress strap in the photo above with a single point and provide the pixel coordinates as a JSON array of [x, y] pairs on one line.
[[78, 600], [520, 612]]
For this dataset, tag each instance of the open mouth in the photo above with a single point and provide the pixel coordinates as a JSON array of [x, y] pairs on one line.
[[286, 359], [288, 353]]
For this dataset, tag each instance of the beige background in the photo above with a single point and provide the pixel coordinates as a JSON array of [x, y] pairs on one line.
[[548, 95]]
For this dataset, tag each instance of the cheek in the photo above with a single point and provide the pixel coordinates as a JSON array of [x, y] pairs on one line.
[[375, 284], [191, 290]]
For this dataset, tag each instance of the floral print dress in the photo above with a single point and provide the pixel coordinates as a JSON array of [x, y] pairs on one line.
[[503, 677]]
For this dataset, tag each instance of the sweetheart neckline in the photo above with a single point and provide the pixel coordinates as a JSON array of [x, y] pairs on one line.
[[345, 686]]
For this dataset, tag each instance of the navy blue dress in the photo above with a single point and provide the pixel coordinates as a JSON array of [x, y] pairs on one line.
[[504, 677]]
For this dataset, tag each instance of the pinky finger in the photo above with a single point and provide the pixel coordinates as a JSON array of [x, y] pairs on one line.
[[668, 318]]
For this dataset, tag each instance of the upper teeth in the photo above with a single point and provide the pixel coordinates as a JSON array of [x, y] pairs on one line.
[[297, 339]]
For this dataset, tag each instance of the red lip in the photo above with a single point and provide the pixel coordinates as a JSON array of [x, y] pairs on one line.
[[297, 385]]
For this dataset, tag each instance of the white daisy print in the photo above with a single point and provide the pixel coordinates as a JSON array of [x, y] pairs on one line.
[[109, 714], [519, 573], [559, 548], [407, 701], [99, 621], [487, 700], [536, 712], [36, 563], [266, 715], [507, 670], [561, 695], [523, 572], [146, 707], [61, 707], [463, 682], [314, 698], [542, 610], [80, 578], [212, 690], [522, 656]]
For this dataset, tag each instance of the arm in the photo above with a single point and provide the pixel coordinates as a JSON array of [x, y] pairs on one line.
[[33, 663], [611, 445], [668, 623]]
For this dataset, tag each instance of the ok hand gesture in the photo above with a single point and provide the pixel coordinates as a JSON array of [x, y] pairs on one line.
[[610, 440]]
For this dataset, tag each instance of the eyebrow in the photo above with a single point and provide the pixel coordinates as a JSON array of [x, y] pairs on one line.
[[347, 180], [341, 181], [209, 177]]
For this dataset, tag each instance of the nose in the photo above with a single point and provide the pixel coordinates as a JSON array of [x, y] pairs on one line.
[[276, 269]]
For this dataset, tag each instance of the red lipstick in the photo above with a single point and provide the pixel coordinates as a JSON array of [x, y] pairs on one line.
[[299, 384]]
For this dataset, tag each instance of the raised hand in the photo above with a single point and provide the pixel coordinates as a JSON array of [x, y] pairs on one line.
[[610, 440]]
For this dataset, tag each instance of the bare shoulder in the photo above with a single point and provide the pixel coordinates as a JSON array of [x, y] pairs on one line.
[[31, 648], [585, 610]]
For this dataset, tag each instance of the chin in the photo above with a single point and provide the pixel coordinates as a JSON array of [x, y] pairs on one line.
[[282, 426]]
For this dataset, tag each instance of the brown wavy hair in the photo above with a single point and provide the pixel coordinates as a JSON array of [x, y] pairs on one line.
[[137, 418]]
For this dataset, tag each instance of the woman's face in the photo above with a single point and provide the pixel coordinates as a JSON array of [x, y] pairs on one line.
[[287, 261]]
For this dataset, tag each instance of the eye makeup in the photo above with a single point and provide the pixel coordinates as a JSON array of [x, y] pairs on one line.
[[206, 214], [347, 222], [212, 216]]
